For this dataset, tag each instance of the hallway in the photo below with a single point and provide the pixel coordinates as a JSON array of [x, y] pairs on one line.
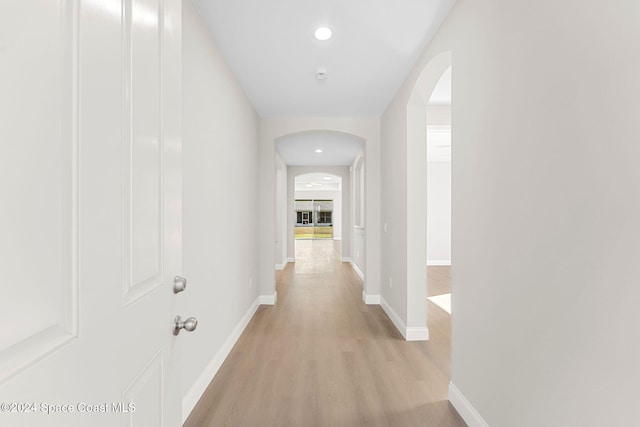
[[320, 357]]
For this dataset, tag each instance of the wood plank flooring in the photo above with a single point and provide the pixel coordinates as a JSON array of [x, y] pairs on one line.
[[321, 357]]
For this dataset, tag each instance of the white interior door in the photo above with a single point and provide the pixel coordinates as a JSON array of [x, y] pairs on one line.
[[90, 212]]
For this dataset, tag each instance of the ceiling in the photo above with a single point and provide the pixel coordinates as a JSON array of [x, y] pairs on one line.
[[271, 49], [318, 182], [300, 149]]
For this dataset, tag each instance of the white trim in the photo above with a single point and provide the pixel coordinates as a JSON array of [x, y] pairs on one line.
[[346, 259], [397, 321], [370, 299], [435, 262], [269, 299], [196, 390], [337, 238], [357, 270], [291, 259], [417, 333], [464, 408], [408, 333], [280, 267]]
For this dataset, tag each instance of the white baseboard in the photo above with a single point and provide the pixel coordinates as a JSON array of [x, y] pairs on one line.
[[408, 333], [397, 321], [357, 270], [346, 259], [464, 408], [281, 267], [415, 333], [196, 390], [291, 259], [370, 299], [436, 262], [337, 238], [269, 299]]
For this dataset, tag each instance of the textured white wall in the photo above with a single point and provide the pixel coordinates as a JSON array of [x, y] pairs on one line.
[[545, 207], [220, 131]]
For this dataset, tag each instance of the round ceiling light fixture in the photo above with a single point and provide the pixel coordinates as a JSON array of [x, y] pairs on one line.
[[318, 151], [323, 33]]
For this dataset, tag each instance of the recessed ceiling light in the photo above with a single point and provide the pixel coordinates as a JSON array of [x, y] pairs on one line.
[[327, 178], [319, 150], [309, 185], [323, 33]]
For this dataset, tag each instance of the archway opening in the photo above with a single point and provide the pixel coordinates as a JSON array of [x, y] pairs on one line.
[[316, 170], [318, 207], [439, 194], [419, 114]]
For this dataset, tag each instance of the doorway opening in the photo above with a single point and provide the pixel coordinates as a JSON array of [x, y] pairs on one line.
[[318, 211], [439, 193], [314, 219], [315, 179], [327, 152], [318, 207], [420, 114]]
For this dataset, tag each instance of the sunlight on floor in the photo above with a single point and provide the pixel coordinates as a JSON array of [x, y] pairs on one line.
[[443, 301]]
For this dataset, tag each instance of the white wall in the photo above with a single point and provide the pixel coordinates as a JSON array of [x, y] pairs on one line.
[[220, 131], [281, 242], [367, 129], [438, 115], [333, 195], [438, 189], [343, 196], [438, 213], [358, 255], [393, 202], [545, 208]]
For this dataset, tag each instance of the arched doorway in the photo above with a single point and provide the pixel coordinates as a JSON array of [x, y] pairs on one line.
[[324, 165], [439, 194], [417, 170], [318, 207], [273, 130]]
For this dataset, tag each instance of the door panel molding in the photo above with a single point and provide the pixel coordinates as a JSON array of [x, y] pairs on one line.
[[147, 390], [143, 148], [42, 314]]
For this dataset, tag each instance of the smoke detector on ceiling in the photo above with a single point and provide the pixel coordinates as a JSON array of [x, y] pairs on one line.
[[321, 73]]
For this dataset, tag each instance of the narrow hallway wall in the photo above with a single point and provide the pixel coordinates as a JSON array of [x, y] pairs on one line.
[[220, 203]]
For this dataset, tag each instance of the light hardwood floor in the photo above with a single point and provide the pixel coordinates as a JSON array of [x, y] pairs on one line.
[[321, 357]]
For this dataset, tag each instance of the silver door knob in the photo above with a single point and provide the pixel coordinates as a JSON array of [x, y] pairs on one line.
[[179, 284], [188, 325]]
